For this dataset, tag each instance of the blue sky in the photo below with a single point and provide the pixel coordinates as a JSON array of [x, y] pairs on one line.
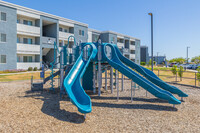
[[176, 22]]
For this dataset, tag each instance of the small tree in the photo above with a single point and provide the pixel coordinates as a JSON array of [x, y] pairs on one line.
[[198, 74], [30, 69], [180, 72], [143, 63], [174, 69], [35, 69]]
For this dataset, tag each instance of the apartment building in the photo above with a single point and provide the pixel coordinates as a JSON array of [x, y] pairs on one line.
[[128, 45], [144, 54], [27, 36]]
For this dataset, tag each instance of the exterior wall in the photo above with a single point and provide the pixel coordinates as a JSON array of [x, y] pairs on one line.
[[80, 37], [137, 51], [144, 55], [9, 28], [158, 59]]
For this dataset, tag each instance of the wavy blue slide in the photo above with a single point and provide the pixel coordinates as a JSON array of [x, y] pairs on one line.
[[149, 86], [72, 82], [149, 75]]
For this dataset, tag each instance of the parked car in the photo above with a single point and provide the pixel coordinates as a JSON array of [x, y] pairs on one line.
[[172, 64], [189, 66], [196, 66]]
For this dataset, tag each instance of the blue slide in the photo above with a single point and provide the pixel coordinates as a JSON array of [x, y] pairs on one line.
[[147, 85], [149, 75], [72, 82]]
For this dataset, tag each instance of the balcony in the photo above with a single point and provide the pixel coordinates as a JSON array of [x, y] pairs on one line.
[[28, 30], [120, 45], [28, 48], [126, 51], [132, 56], [26, 65], [64, 35], [48, 42], [132, 47]]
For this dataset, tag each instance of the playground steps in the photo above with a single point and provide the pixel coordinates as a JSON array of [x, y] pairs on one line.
[[37, 86]]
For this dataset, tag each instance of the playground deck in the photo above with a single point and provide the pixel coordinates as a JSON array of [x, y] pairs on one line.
[[22, 111]]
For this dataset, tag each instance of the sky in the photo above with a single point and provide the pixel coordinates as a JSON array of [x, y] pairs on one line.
[[176, 22]]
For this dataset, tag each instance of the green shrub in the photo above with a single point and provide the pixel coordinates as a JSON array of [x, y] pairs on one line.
[[174, 69], [198, 74], [143, 63], [35, 69], [30, 69], [180, 72]]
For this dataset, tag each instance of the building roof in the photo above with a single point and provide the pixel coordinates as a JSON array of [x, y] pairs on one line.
[[25, 9]]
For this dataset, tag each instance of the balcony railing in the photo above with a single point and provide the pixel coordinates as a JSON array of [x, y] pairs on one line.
[[126, 51], [28, 30], [65, 35], [28, 48], [132, 56], [120, 45], [132, 47], [26, 65], [48, 40]]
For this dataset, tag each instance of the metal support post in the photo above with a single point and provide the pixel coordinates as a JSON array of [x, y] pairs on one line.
[[61, 70], [131, 90], [122, 82], [117, 84], [106, 78], [94, 77], [99, 68], [111, 79]]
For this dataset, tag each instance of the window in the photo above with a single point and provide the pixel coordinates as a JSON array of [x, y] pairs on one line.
[[80, 32], [18, 40], [26, 22], [60, 29], [132, 51], [132, 42], [18, 58], [30, 41], [3, 59], [65, 30], [27, 41], [3, 37], [18, 21], [27, 58], [3, 16]]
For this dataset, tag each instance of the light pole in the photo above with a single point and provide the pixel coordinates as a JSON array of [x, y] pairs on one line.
[[187, 54], [151, 40]]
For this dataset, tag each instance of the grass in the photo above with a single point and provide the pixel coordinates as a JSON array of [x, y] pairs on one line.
[[22, 76], [164, 74]]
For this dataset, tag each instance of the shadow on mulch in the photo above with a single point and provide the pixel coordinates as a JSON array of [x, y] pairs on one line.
[[51, 107], [136, 106], [152, 100]]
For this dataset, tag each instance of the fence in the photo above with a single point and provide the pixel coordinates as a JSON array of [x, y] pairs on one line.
[[189, 78]]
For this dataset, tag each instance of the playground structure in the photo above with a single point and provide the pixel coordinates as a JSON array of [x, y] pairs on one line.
[[82, 70]]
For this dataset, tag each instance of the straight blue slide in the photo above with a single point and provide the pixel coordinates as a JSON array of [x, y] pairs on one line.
[[115, 62], [72, 82], [149, 75]]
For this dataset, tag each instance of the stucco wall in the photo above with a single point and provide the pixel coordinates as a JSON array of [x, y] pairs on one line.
[[8, 48]]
